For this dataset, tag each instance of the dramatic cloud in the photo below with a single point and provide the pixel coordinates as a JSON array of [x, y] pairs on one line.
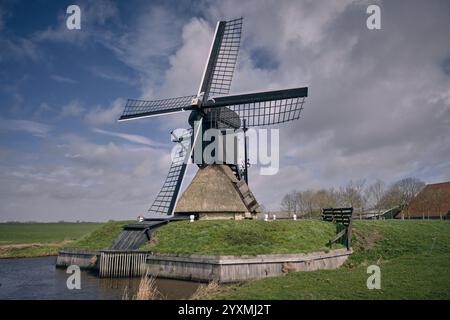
[[378, 105]]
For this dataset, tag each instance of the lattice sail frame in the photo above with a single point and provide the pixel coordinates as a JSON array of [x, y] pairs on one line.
[[263, 108], [219, 70], [144, 108], [165, 201], [268, 113]]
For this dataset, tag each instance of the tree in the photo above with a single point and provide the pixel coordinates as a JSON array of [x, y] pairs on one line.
[[308, 202], [409, 188], [401, 192], [375, 193], [325, 199], [289, 203], [353, 195]]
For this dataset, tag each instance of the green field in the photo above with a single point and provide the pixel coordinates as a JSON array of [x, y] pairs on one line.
[[414, 258], [43, 232], [245, 237], [39, 239]]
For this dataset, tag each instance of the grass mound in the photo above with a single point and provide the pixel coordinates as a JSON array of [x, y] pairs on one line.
[[246, 237], [101, 237], [413, 256]]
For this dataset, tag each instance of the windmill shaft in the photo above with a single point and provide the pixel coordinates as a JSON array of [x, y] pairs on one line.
[[245, 153]]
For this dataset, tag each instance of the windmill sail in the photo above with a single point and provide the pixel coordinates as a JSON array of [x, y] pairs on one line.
[[135, 109], [262, 108], [222, 59], [167, 196], [166, 199]]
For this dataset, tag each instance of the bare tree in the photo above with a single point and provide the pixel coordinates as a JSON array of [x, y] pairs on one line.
[[324, 199], [289, 203], [375, 193], [353, 195], [409, 188], [401, 192], [308, 202]]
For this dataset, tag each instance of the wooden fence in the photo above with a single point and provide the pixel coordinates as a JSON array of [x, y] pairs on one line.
[[342, 217]]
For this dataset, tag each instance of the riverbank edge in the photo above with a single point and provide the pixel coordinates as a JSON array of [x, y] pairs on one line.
[[203, 268], [232, 269], [84, 258]]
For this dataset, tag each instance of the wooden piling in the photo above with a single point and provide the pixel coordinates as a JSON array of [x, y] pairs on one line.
[[120, 264]]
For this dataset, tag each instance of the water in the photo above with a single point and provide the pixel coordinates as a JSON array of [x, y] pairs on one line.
[[37, 278]]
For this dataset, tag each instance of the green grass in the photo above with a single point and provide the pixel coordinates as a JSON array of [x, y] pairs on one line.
[[15, 233], [246, 237], [101, 237], [46, 239], [29, 251], [414, 258]]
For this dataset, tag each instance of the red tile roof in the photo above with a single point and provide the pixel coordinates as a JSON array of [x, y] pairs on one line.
[[432, 202]]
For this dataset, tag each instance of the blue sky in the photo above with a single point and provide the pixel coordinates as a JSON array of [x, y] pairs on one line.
[[379, 104]]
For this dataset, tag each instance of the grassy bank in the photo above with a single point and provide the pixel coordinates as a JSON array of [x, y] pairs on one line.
[[414, 258], [246, 237], [102, 237], [44, 239]]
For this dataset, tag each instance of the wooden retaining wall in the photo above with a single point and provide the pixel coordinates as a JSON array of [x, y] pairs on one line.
[[240, 268], [85, 259], [122, 264]]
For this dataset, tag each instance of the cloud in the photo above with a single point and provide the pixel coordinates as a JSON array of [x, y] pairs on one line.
[[34, 128], [96, 182], [374, 99], [62, 79], [42, 109], [112, 76], [18, 48], [93, 15], [144, 45], [129, 137], [379, 104], [101, 116], [72, 109]]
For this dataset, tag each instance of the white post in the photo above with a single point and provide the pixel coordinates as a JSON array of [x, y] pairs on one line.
[[192, 217], [295, 217], [266, 217], [274, 217]]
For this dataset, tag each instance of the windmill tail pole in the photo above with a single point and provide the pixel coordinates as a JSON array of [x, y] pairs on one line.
[[245, 152]]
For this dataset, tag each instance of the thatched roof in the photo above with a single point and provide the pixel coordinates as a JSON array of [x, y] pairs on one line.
[[212, 190]]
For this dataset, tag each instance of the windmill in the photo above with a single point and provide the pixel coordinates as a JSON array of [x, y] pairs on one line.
[[213, 107]]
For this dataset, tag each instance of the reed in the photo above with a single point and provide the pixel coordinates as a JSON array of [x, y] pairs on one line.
[[205, 290]]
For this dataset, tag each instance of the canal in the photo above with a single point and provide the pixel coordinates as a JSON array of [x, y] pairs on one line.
[[37, 278]]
